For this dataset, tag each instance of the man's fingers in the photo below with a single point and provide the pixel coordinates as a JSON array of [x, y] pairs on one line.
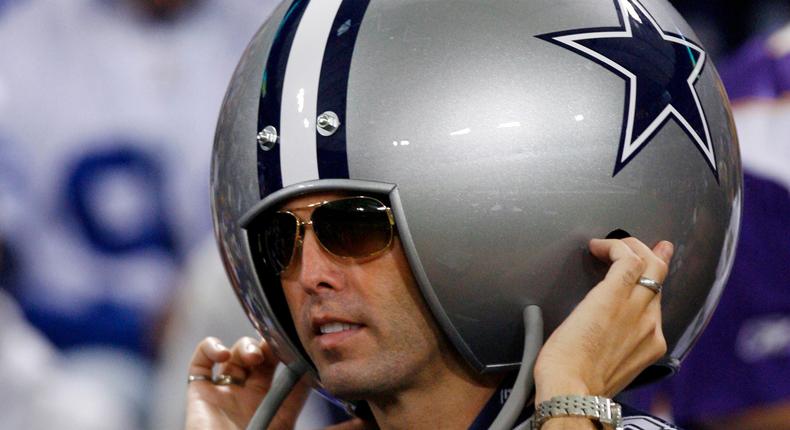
[[631, 260], [606, 250], [268, 354], [209, 352], [260, 375], [664, 250], [656, 267], [245, 354], [626, 265]]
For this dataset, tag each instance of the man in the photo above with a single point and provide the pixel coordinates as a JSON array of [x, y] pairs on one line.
[[402, 188], [390, 352]]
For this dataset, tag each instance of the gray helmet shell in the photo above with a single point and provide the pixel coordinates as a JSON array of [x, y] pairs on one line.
[[505, 134]]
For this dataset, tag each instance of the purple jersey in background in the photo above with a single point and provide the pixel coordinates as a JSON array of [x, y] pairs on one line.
[[742, 360]]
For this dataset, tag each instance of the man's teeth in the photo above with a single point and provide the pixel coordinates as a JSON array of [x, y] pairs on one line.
[[336, 327]]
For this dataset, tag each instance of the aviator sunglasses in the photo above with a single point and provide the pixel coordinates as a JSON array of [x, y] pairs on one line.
[[351, 227]]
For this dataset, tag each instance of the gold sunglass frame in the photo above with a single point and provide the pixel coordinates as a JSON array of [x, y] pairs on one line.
[[302, 225]]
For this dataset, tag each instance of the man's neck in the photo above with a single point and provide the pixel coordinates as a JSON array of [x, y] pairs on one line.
[[448, 399]]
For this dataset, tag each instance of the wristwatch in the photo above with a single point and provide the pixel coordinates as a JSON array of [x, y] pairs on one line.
[[604, 410]]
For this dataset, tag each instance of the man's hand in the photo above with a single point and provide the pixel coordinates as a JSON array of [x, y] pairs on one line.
[[614, 333], [211, 406], [230, 407]]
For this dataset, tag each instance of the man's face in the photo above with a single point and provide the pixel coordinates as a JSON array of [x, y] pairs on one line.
[[362, 321]]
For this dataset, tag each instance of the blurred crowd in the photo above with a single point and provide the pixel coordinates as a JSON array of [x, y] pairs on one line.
[[108, 272]]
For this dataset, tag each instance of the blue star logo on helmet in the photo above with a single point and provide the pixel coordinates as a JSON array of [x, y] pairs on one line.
[[659, 69]]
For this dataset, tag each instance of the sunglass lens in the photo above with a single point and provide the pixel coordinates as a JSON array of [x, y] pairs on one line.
[[354, 227], [277, 238]]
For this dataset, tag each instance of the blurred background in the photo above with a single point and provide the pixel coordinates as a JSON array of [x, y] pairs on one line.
[[108, 271]]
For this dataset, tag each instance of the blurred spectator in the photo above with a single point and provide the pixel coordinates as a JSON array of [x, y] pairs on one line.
[[738, 375], [116, 109], [107, 113], [41, 387]]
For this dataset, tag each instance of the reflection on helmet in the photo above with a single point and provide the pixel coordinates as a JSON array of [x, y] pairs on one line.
[[506, 135]]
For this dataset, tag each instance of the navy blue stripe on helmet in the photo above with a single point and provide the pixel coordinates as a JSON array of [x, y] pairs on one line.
[[333, 86], [269, 174]]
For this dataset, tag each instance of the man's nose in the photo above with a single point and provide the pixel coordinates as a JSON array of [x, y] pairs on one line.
[[316, 268]]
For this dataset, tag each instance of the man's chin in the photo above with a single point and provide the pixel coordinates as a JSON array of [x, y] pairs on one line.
[[348, 380]]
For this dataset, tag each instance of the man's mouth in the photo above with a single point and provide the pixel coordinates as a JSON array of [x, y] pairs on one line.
[[337, 327], [330, 333]]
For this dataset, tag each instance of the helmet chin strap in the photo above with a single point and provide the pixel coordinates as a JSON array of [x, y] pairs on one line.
[[282, 384], [522, 389], [533, 341]]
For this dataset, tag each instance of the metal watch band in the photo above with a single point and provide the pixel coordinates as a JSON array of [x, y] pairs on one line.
[[602, 409]]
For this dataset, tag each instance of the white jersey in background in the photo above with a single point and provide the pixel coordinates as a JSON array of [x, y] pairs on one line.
[[107, 117], [114, 113]]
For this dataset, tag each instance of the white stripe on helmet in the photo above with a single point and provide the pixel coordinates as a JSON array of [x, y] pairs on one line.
[[298, 158]]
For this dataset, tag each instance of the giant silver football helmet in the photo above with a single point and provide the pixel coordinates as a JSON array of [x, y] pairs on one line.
[[505, 134]]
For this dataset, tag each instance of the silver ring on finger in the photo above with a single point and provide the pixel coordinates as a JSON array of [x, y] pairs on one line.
[[193, 378], [652, 284], [226, 379]]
